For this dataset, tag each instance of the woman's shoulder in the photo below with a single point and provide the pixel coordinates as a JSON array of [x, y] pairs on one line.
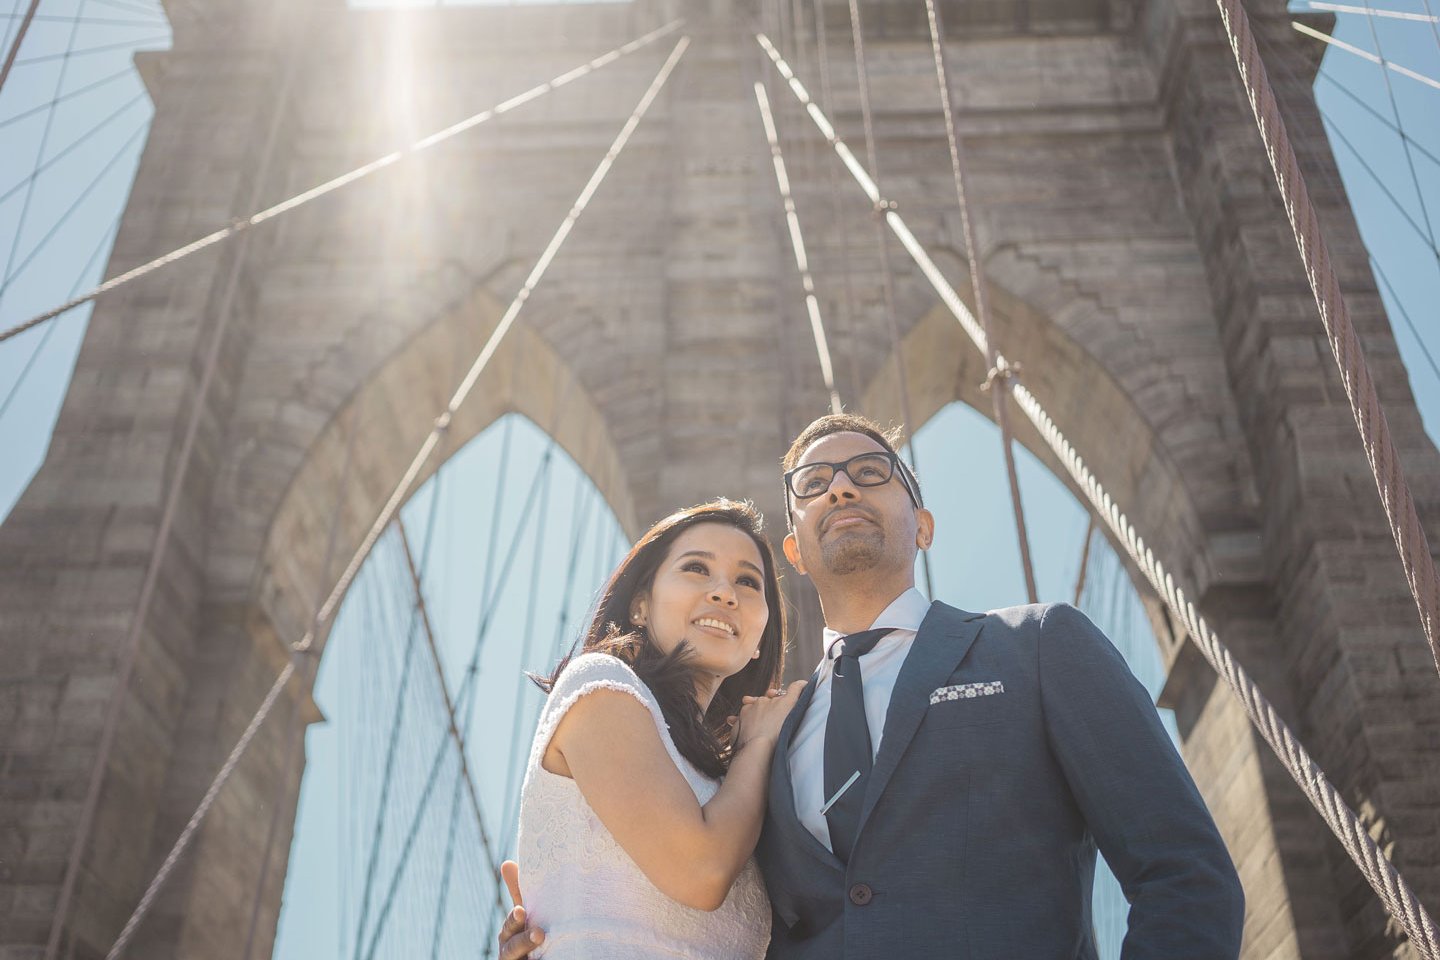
[[596, 669]]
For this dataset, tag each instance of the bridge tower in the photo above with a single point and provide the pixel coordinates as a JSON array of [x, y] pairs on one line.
[[1140, 266]]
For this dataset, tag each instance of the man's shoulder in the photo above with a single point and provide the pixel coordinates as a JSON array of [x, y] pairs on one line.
[[1028, 619]]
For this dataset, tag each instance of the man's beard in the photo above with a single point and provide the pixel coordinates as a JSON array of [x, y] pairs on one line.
[[853, 552]]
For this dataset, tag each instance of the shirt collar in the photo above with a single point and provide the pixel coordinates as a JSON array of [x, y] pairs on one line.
[[904, 613]]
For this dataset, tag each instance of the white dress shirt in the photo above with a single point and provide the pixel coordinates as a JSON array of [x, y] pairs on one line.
[[878, 671]]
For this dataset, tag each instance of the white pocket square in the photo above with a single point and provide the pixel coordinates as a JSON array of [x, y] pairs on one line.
[[968, 691]]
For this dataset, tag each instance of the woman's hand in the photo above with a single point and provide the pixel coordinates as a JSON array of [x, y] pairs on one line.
[[762, 717]]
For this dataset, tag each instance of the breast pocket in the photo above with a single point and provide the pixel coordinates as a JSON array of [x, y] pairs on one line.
[[976, 702]]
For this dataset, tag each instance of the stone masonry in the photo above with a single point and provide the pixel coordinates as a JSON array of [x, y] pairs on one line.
[[1139, 263]]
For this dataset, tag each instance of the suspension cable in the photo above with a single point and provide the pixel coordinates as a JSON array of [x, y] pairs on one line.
[[131, 649], [1000, 378], [1333, 128], [1381, 118], [1404, 140], [104, 48], [72, 146], [106, 239], [10, 274], [464, 700], [1394, 892], [1349, 352], [846, 306], [887, 276], [243, 223], [1085, 556], [10, 54], [1372, 11], [797, 246], [455, 733], [69, 95], [6, 276], [1310, 31], [392, 744], [296, 731], [442, 423], [1288, 74]]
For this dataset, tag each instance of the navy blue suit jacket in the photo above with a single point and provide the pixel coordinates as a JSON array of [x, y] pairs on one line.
[[983, 813]]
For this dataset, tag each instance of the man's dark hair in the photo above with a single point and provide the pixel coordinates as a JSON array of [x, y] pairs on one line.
[[848, 423]]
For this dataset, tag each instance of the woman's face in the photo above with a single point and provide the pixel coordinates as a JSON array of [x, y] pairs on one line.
[[709, 590]]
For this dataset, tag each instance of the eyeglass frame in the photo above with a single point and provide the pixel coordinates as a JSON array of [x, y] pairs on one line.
[[896, 466]]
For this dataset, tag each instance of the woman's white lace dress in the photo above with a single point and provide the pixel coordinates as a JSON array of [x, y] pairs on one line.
[[580, 885]]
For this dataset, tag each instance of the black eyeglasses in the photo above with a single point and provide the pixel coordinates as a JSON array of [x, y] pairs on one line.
[[865, 470]]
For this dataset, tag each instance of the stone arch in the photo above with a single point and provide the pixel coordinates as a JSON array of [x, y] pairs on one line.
[[395, 407], [393, 403], [1102, 420], [1123, 447]]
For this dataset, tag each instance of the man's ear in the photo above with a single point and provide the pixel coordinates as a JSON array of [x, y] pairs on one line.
[[792, 553], [924, 528]]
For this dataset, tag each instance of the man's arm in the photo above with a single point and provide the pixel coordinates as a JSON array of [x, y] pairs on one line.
[[1139, 802]]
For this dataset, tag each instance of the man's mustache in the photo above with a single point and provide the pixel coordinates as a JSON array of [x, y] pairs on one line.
[[840, 513]]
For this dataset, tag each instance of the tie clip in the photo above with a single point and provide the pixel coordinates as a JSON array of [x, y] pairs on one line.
[[843, 787]]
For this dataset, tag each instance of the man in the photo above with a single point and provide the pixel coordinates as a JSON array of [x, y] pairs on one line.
[[944, 782]]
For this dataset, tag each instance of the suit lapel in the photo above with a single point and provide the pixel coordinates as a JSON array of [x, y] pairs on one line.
[[945, 636], [782, 788]]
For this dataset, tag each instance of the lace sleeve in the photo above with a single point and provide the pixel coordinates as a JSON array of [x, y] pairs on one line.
[[586, 674]]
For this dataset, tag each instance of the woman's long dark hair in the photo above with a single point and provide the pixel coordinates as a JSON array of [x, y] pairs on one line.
[[701, 738]]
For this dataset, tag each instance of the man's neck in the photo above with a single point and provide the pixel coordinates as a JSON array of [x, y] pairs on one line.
[[851, 604]]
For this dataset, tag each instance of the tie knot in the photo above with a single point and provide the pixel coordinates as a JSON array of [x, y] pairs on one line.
[[858, 644]]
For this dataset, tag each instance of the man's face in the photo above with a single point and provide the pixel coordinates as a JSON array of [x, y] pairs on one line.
[[849, 529]]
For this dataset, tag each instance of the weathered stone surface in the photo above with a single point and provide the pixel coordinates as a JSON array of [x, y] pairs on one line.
[[1138, 262]]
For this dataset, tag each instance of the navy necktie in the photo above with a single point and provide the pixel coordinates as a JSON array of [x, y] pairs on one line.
[[848, 752]]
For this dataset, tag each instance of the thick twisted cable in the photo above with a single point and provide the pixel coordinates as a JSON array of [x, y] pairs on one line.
[[1392, 888], [397, 497], [1410, 539], [1394, 892], [329, 186]]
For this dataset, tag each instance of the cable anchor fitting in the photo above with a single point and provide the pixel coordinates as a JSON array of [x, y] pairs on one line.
[[1004, 372], [882, 207]]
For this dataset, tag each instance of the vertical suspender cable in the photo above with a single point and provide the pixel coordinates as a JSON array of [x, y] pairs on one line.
[[1085, 556], [1000, 378], [847, 301], [1345, 344], [131, 649], [887, 276], [10, 54], [1395, 893], [392, 505], [296, 731], [456, 734]]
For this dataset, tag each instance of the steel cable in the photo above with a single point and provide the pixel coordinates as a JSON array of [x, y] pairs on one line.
[[359, 173], [398, 495], [1380, 451], [1000, 378], [1394, 892]]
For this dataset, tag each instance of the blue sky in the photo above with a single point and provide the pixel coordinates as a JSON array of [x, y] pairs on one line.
[[55, 236]]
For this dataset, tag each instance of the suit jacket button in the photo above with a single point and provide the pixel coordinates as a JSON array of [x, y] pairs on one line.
[[861, 894]]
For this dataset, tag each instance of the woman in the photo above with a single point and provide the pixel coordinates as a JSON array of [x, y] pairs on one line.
[[630, 844]]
